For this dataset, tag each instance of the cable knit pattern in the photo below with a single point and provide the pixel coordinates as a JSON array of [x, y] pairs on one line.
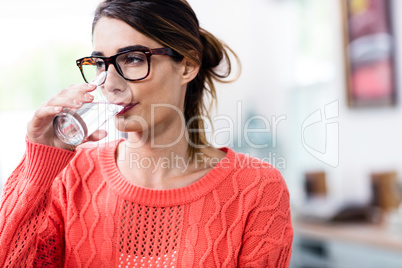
[[74, 209]]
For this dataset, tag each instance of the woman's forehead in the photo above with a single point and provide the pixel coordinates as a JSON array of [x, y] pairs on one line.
[[111, 35]]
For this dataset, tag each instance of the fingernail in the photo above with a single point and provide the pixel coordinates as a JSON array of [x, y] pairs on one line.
[[77, 102], [89, 96], [91, 85], [58, 109]]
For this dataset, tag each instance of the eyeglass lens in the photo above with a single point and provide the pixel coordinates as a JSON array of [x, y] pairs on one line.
[[132, 65]]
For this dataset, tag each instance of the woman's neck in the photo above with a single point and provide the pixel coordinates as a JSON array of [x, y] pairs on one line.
[[156, 159]]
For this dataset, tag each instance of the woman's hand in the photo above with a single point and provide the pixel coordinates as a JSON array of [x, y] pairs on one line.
[[40, 128]]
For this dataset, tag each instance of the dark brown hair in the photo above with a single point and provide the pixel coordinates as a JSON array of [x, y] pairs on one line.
[[174, 24]]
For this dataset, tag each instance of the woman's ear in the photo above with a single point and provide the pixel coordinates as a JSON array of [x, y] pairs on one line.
[[190, 70]]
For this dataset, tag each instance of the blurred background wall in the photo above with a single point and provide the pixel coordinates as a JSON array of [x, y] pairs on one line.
[[293, 75]]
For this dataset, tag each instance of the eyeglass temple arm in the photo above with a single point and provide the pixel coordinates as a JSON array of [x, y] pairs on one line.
[[165, 51]]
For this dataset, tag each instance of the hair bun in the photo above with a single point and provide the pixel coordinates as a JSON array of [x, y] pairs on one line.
[[212, 49], [216, 54]]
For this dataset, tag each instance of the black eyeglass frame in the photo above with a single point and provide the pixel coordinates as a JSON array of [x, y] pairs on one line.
[[112, 60]]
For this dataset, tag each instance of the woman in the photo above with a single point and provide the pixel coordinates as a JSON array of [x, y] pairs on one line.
[[163, 197]]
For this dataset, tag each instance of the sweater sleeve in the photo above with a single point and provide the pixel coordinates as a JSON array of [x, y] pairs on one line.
[[29, 221], [268, 236]]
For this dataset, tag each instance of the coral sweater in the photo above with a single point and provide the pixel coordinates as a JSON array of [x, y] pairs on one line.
[[75, 209]]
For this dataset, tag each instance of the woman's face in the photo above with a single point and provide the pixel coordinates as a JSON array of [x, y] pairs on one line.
[[158, 98]]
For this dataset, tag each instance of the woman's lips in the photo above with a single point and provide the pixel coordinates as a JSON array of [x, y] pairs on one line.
[[127, 107]]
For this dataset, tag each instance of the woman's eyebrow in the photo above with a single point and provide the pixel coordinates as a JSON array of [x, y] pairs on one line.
[[96, 53], [135, 47]]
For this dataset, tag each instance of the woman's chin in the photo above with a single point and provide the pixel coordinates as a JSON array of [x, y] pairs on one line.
[[130, 124]]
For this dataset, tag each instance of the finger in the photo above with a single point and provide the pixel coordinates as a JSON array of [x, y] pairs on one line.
[[89, 87], [77, 89], [38, 127], [45, 113], [42, 118], [74, 99], [81, 87], [97, 135]]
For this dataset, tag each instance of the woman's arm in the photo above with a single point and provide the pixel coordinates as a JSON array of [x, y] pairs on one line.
[[30, 222], [268, 236]]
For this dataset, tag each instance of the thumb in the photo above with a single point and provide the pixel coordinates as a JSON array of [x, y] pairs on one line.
[[97, 135]]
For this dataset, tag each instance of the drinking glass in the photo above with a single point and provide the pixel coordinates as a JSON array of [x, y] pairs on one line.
[[73, 126]]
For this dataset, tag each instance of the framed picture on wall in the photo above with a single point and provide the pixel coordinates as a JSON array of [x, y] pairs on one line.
[[369, 53]]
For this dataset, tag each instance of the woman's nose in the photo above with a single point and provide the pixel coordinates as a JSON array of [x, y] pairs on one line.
[[115, 87], [114, 81]]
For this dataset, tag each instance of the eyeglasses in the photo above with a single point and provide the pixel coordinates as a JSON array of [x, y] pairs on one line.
[[132, 65]]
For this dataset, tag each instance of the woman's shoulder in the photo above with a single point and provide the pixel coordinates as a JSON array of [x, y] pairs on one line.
[[89, 155], [256, 181], [245, 163], [85, 166], [255, 173]]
